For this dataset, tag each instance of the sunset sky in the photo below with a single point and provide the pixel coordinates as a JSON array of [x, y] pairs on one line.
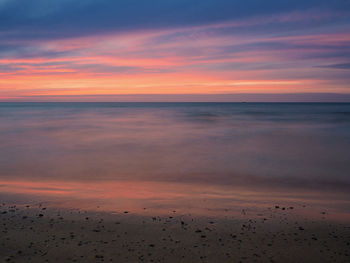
[[94, 50]]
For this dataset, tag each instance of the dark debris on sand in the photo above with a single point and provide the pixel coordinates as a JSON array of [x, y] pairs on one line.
[[39, 234]]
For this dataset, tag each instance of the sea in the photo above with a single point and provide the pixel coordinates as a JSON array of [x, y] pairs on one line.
[[201, 158]]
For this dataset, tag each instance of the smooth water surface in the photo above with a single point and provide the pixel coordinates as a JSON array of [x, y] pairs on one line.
[[211, 156]]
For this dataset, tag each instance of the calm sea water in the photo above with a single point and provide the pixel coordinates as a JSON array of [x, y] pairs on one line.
[[202, 155]]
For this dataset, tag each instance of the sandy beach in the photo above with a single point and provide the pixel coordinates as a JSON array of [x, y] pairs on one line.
[[279, 234]]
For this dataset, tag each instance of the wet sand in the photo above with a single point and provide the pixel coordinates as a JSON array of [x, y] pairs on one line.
[[278, 234]]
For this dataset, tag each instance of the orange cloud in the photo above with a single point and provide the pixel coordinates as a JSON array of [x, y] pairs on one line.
[[176, 61]]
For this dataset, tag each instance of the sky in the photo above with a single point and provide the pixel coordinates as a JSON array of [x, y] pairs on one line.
[[185, 49]]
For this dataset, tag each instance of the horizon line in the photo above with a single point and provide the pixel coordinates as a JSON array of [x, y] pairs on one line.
[[191, 97]]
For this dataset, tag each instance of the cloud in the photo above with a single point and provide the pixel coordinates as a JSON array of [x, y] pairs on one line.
[[160, 46], [22, 19], [337, 66]]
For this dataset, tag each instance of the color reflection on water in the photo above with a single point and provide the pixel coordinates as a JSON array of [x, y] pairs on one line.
[[162, 198], [197, 157]]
